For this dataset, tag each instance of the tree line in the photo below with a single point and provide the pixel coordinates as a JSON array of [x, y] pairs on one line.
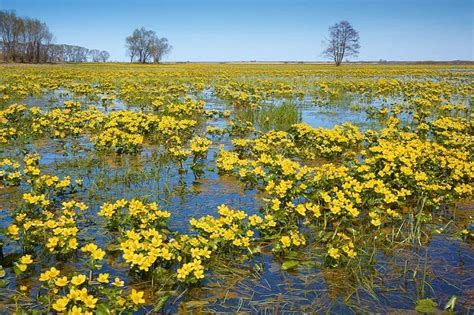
[[145, 46], [28, 40], [24, 39], [71, 53]]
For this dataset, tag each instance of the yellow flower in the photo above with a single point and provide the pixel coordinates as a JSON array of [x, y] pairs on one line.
[[275, 204], [375, 222], [49, 275], [74, 294], [103, 278], [314, 209], [98, 254], [137, 297], [13, 230], [285, 241], [78, 280], [26, 260], [120, 301], [301, 209], [61, 282], [182, 273], [22, 267], [72, 243], [351, 253], [75, 311], [52, 243], [117, 282], [195, 252], [90, 301], [61, 304], [199, 274], [334, 253]]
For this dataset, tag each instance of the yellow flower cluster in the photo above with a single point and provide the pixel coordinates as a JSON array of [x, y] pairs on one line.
[[321, 142], [195, 268], [295, 239], [228, 229], [133, 214], [80, 295], [10, 174], [147, 247], [200, 145], [57, 232], [338, 188]]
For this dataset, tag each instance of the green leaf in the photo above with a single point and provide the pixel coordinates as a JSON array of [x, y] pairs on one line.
[[290, 264], [292, 254], [310, 264], [161, 303], [16, 270], [426, 306], [102, 309]]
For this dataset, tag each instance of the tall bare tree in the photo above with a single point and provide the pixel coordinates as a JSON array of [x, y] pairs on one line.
[[24, 39], [104, 56], [145, 46], [160, 48], [343, 42], [94, 55], [10, 31]]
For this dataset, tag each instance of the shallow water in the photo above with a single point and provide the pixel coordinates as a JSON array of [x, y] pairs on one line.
[[258, 285]]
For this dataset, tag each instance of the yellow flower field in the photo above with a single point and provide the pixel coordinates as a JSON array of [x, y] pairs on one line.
[[235, 187]]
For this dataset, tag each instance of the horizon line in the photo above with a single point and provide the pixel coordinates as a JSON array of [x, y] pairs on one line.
[[452, 61]]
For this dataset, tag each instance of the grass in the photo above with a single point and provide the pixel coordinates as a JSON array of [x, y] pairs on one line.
[[268, 117]]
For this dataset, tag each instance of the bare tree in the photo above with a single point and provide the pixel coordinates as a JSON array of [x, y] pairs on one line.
[[132, 44], [104, 56], [94, 55], [23, 39], [139, 43], [29, 40], [10, 29], [343, 42], [55, 53], [144, 45], [45, 47], [160, 48]]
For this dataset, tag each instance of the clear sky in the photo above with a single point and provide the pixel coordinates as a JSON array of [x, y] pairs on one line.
[[264, 30]]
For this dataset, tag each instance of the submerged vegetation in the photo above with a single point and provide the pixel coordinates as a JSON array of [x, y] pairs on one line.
[[253, 188]]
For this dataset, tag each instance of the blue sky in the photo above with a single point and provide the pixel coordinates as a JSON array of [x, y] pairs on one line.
[[228, 30]]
